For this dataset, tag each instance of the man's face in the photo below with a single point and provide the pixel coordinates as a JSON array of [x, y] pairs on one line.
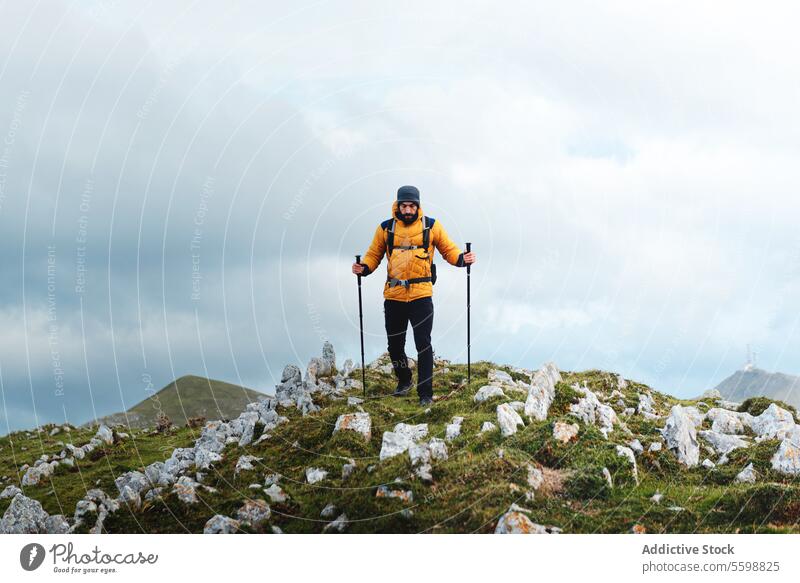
[[408, 209]]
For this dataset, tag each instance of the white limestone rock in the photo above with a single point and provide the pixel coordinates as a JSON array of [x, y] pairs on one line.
[[542, 391], [747, 475], [358, 422], [723, 443], [591, 411], [487, 392], [219, 524], [627, 453], [508, 419], [564, 432], [314, 475], [276, 494], [787, 459], [681, 437], [398, 441]]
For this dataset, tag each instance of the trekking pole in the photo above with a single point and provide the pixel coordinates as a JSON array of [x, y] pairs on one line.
[[469, 375], [361, 326]]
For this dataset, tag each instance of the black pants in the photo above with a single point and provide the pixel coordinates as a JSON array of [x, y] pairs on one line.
[[420, 313]]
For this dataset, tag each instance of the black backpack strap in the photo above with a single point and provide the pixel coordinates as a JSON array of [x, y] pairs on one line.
[[390, 238], [426, 232]]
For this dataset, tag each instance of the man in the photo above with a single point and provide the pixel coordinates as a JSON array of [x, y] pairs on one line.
[[409, 284]]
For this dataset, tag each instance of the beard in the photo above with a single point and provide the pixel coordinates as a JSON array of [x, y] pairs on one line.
[[408, 219]]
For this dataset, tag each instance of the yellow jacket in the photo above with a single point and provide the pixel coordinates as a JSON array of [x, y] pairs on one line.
[[409, 263]]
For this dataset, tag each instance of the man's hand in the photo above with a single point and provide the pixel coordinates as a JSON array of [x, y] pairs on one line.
[[469, 258], [358, 268]]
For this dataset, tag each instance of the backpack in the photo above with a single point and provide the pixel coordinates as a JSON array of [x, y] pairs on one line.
[[428, 222]]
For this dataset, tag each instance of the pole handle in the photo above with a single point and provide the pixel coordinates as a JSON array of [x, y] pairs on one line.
[[469, 248], [358, 260]]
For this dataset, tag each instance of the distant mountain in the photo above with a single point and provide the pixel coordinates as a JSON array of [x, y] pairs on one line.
[[755, 382], [187, 396]]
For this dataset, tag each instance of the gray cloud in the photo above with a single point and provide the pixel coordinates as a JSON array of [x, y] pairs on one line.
[[627, 177]]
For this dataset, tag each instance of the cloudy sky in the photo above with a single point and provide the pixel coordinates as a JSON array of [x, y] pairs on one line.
[[183, 188]]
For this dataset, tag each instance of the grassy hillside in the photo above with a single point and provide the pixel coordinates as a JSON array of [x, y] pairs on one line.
[[187, 396], [484, 474]]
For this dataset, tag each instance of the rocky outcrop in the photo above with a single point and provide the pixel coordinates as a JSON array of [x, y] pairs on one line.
[[542, 391], [681, 437]]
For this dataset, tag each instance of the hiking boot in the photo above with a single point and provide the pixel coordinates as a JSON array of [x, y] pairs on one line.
[[402, 389], [424, 401]]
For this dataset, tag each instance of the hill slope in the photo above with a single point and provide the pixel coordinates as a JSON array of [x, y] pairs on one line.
[[756, 382], [187, 396], [317, 459]]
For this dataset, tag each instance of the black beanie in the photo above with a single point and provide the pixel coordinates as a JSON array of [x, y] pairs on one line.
[[408, 194]]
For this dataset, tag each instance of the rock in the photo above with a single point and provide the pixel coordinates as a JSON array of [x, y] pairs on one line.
[[438, 448], [564, 432], [488, 426], [95, 504], [646, 404], [680, 436], [348, 469], [9, 492], [358, 422], [244, 427], [627, 453], [398, 441], [487, 392], [131, 485], [711, 394], [329, 355], [254, 512], [500, 377], [636, 446], [314, 475], [508, 419], [453, 429], [276, 494], [722, 442], [774, 422], [708, 464], [219, 524], [56, 524], [403, 495], [245, 463], [337, 525], [731, 422], [607, 476], [655, 446], [329, 511], [657, 497], [621, 382], [542, 391], [419, 453], [590, 410], [105, 435], [535, 477], [353, 401], [515, 522], [747, 475], [186, 489], [787, 459], [24, 516]]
